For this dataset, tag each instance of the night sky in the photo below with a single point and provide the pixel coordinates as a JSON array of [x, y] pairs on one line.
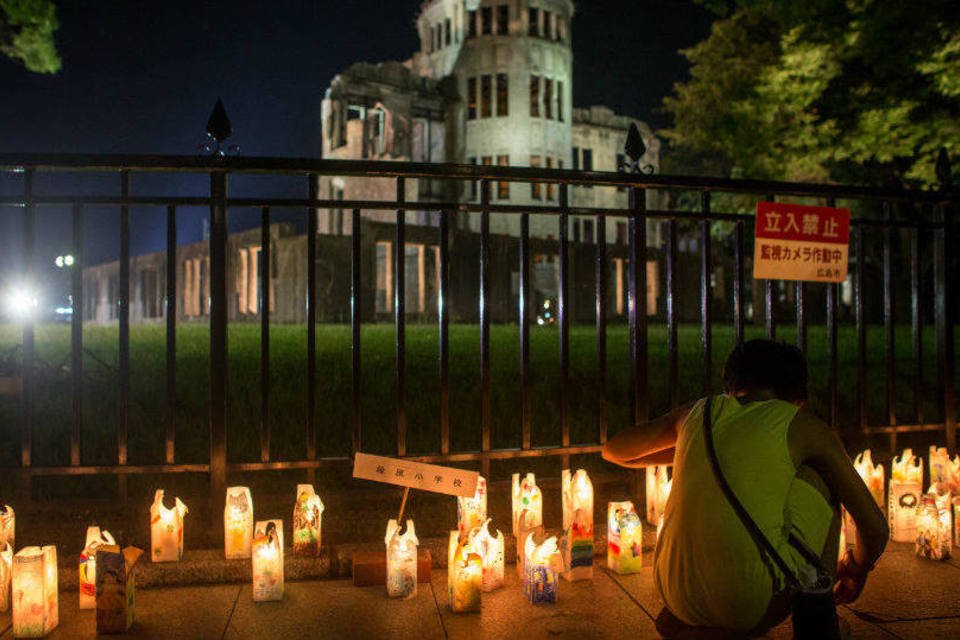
[[141, 77]]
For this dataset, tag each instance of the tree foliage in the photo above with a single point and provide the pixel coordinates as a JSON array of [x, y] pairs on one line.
[[863, 91], [26, 33]]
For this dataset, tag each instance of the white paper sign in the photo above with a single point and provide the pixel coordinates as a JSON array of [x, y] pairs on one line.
[[416, 475]]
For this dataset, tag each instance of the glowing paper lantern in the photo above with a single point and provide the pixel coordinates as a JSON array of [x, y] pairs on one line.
[[624, 538], [872, 476], [267, 560], [6, 560], [944, 472], [905, 490], [464, 574], [490, 549], [307, 522], [658, 490], [88, 565], [8, 526], [541, 566], [527, 526], [36, 609], [116, 588], [933, 527], [166, 529], [401, 560], [472, 512], [237, 523], [576, 544], [526, 496]]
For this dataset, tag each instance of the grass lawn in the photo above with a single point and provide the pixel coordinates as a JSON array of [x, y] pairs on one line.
[[288, 366]]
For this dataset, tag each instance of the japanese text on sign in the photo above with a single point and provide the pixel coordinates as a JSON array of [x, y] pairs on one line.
[[416, 475], [799, 242]]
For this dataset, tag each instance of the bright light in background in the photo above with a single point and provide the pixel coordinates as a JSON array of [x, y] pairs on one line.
[[21, 302], [64, 261], [68, 260]]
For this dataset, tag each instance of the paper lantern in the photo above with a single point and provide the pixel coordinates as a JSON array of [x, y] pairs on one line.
[[464, 574], [933, 527], [527, 526], [658, 490], [472, 512], [88, 565], [624, 538], [6, 560], [873, 477], [166, 529], [237, 523], [267, 560], [8, 526], [35, 605], [526, 496], [576, 544], [905, 490], [490, 549], [956, 521], [307, 522], [116, 588], [944, 471], [541, 566], [401, 560]]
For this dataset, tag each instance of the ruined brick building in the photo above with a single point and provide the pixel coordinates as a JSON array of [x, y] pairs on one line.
[[492, 84]]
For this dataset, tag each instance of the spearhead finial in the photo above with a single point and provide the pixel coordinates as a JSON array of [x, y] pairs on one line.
[[218, 125], [634, 150], [944, 171]]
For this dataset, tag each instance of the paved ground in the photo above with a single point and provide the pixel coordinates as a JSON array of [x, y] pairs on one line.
[[906, 598]]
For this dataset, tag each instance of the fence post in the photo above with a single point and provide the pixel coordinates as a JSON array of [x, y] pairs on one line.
[[218, 343], [944, 325], [26, 373]]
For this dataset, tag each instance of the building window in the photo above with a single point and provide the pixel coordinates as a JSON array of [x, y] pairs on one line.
[[549, 184], [548, 25], [588, 231], [561, 29], [533, 24], [486, 20], [447, 32], [472, 24], [576, 158], [485, 96], [473, 183], [503, 95], [536, 192], [534, 96], [547, 98], [414, 271], [503, 19], [384, 296], [503, 187], [588, 159], [621, 233], [471, 98], [559, 101]]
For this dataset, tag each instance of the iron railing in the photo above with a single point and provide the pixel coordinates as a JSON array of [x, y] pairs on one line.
[[219, 202]]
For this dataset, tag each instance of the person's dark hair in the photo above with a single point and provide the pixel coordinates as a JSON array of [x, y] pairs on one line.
[[759, 365]]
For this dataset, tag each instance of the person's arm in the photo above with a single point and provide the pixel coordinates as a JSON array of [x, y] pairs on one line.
[[648, 444], [813, 443]]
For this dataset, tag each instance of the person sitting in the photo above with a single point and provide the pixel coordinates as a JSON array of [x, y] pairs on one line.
[[791, 474]]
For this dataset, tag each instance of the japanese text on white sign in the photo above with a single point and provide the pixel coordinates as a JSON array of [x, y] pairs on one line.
[[416, 475]]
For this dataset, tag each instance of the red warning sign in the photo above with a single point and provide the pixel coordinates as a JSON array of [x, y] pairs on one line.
[[800, 242]]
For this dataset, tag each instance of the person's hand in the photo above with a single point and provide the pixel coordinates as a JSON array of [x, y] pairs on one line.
[[851, 578]]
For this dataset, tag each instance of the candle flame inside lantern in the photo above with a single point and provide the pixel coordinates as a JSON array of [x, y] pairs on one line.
[[267, 562], [166, 529], [464, 573]]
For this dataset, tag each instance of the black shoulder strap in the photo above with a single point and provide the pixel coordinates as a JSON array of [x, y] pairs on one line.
[[753, 529]]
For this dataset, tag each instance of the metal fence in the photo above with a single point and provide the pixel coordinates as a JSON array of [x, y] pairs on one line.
[[930, 215]]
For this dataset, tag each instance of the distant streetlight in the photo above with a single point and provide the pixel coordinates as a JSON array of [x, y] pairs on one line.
[[64, 261], [21, 302]]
